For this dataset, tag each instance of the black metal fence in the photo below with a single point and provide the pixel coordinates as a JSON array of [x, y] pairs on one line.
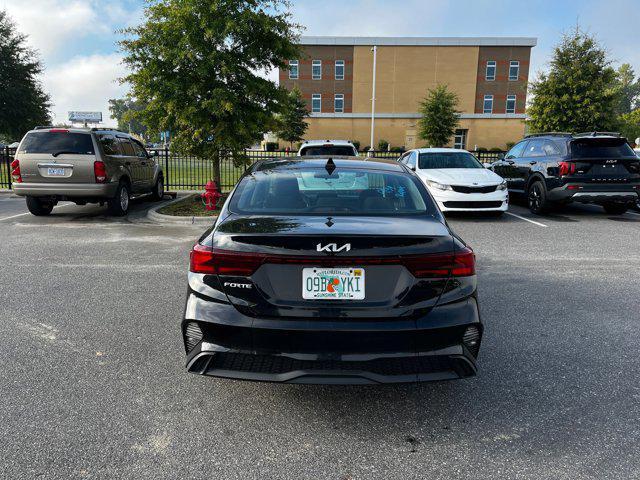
[[184, 172]]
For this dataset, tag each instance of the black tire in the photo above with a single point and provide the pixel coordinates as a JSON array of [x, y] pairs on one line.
[[615, 208], [119, 204], [636, 205], [39, 207], [158, 189], [537, 198]]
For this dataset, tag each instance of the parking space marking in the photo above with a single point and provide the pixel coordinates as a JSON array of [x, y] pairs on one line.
[[29, 213], [527, 220], [634, 213]]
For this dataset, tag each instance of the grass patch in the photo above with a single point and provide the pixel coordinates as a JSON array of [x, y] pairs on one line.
[[190, 206]]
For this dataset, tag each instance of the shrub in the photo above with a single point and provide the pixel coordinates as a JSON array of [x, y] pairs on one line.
[[271, 146], [397, 149], [495, 149], [383, 145], [356, 144], [481, 149], [510, 145]]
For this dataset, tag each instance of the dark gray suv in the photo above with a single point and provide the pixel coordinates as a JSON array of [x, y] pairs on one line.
[[560, 168], [83, 166]]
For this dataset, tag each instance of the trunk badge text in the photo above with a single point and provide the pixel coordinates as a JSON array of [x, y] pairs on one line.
[[333, 247], [237, 285]]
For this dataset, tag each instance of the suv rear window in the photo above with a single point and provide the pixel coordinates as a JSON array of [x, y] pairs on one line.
[[345, 192], [57, 142], [601, 148], [325, 150]]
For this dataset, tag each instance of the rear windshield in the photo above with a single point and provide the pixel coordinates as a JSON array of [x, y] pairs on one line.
[[448, 160], [345, 192], [57, 143], [335, 150], [601, 148]]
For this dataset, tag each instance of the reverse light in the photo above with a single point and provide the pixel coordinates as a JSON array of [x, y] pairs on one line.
[[439, 186], [211, 261], [16, 175], [100, 171], [566, 168]]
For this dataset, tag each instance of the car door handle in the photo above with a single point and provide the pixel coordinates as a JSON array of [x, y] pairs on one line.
[[510, 162], [532, 162]]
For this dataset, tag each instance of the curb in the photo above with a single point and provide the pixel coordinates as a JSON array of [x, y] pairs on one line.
[[153, 215]]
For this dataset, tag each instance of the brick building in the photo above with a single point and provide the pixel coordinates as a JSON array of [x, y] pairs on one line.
[[489, 75]]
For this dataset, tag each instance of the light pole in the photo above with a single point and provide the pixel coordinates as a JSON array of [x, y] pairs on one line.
[[373, 96]]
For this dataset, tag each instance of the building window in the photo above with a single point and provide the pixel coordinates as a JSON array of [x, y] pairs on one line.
[[460, 139], [511, 104], [316, 103], [514, 70], [491, 70], [488, 104], [316, 69], [293, 69], [338, 103], [339, 69]]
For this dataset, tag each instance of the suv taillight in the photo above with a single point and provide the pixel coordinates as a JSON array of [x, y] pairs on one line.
[[100, 171], [566, 168], [16, 176]]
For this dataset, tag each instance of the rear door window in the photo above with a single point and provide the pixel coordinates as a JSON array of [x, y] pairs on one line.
[[140, 152], [535, 148], [109, 144], [58, 143], [127, 147]]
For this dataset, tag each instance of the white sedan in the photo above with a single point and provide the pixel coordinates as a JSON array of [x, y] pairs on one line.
[[457, 180]]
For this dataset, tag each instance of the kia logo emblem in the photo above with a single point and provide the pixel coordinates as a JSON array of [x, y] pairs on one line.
[[333, 247]]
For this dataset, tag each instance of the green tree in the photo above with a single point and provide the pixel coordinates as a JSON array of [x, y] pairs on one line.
[[628, 89], [630, 125], [125, 111], [290, 124], [439, 116], [578, 93], [195, 65], [23, 103]]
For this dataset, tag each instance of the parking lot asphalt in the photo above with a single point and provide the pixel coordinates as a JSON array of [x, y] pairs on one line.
[[92, 379]]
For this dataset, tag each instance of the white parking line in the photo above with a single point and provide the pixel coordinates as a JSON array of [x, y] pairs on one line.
[[527, 220], [634, 213], [27, 213]]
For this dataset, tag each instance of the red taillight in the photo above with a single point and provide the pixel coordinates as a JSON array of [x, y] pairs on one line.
[[16, 176], [100, 171], [243, 264], [566, 168]]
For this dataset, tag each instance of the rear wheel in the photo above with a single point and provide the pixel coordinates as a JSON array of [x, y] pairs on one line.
[[537, 198], [158, 189], [615, 208], [119, 204], [39, 207]]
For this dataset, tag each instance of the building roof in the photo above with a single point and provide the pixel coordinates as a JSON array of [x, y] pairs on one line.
[[423, 41]]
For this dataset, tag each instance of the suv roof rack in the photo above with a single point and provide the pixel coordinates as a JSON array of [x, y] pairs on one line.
[[106, 129], [597, 134], [42, 127], [549, 134]]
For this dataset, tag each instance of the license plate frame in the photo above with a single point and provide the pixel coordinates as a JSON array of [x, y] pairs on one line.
[[345, 283], [55, 172]]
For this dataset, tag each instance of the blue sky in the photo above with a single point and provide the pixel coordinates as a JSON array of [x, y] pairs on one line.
[[77, 38]]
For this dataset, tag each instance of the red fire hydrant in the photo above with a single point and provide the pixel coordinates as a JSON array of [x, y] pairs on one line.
[[211, 195]]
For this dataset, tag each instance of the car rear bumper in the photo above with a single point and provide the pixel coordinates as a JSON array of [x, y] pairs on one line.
[[66, 190], [595, 193], [340, 351]]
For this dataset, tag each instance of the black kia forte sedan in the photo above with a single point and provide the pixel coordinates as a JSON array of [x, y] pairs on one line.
[[331, 271]]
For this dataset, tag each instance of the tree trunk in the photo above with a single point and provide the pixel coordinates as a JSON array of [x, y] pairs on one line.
[[216, 169]]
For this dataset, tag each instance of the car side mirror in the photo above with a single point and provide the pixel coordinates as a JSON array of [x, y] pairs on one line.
[[154, 154]]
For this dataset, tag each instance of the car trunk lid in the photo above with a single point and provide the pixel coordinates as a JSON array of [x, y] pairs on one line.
[[601, 160], [390, 256]]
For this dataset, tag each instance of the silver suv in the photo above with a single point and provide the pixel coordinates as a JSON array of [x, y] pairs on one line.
[[83, 166]]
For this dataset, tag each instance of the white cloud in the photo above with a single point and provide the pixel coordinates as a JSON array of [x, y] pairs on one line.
[[51, 24], [85, 83]]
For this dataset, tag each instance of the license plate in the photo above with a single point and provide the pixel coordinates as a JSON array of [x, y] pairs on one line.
[[333, 283], [55, 172]]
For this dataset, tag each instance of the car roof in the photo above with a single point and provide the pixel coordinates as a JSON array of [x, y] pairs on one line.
[[295, 163], [324, 142], [438, 150]]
